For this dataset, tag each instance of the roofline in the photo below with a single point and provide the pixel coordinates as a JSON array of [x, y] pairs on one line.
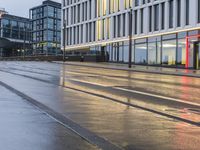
[[47, 5], [15, 17]]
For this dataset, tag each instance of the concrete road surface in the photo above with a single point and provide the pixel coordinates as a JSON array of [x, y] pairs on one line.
[[110, 109]]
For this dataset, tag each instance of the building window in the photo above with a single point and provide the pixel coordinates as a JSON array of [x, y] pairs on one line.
[[187, 12], [136, 21], [137, 2], [141, 51], [142, 20], [119, 25], [154, 50], [163, 16], [150, 18], [169, 52], [178, 13], [156, 17], [171, 12]]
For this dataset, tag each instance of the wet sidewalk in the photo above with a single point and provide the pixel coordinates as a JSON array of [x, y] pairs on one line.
[[139, 68], [24, 127]]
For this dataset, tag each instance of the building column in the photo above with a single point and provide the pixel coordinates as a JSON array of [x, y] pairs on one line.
[[160, 17], [193, 12], [175, 14], [166, 15]]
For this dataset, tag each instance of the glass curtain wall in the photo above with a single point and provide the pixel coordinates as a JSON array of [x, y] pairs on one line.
[[154, 51], [118, 52], [181, 49], [141, 52], [169, 52]]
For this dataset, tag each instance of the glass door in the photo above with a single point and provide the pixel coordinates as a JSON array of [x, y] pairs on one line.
[[196, 55]]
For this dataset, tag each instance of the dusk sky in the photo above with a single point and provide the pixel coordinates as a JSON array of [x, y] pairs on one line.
[[20, 7]]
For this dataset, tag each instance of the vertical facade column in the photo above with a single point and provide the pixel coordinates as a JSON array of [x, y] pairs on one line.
[[79, 33], [76, 13], [145, 20], [127, 20], [92, 31], [153, 19], [112, 27], [122, 25], [84, 33], [175, 14], [193, 12], [88, 10], [160, 17], [72, 36], [116, 26], [133, 21], [93, 9], [166, 15]]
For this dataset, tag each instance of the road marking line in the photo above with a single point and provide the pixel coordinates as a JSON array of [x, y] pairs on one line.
[[99, 84], [141, 93], [157, 96]]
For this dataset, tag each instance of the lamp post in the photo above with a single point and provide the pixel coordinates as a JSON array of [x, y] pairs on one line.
[[64, 40], [130, 40]]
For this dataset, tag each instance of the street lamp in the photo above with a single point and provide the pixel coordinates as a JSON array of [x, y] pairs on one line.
[[130, 40], [64, 39]]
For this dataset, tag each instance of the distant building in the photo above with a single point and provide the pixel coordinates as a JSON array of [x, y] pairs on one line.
[[15, 35], [46, 28]]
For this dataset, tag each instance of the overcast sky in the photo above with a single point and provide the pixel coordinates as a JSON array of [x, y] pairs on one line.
[[20, 7]]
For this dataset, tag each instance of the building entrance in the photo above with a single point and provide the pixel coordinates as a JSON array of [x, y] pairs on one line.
[[196, 56], [193, 52]]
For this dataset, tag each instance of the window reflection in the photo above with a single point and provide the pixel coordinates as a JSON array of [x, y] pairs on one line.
[[181, 52], [169, 52], [154, 52], [141, 53]]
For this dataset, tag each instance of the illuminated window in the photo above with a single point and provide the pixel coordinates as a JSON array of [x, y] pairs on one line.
[[99, 30], [108, 27], [104, 7]]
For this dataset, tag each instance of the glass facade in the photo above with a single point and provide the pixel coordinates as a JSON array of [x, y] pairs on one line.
[[46, 25], [17, 30], [166, 50]]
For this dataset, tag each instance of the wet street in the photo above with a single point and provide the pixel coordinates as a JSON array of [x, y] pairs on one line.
[[55, 105]]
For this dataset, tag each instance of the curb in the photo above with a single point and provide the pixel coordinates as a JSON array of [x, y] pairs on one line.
[[132, 70]]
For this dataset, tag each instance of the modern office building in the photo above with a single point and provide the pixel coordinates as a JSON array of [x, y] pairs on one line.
[[46, 28], [15, 35], [163, 32]]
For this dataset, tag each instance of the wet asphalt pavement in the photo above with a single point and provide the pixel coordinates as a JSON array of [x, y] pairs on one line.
[[127, 110], [25, 127]]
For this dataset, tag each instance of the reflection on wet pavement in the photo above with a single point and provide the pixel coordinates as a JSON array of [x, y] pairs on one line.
[[126, 126], [24, 127]]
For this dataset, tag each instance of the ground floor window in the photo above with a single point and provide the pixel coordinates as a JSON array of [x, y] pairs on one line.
[[181, 52], [141, 53], [169, 52], [154, 52]]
